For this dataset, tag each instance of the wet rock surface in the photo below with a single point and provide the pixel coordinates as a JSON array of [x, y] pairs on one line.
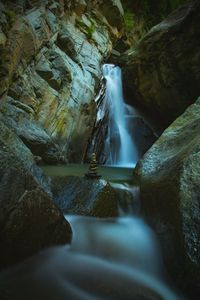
[[84, 196], [29, 220], [169, 180], [162, 72]]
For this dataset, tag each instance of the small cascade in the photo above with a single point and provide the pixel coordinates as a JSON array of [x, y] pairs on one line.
[[119, 147], [108, 258]]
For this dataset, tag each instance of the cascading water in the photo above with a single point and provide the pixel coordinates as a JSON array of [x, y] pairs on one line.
[[107, 260], [120, 146]]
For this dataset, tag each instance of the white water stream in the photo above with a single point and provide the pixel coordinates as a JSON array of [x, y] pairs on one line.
[[107, 260], [120, 146]]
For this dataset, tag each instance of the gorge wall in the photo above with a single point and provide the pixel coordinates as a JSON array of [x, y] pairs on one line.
[[51, 56], [162, 71]]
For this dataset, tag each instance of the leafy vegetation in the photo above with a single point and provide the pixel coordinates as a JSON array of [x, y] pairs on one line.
[[89, 31], [141, 15], [153, 11], [128, 20]]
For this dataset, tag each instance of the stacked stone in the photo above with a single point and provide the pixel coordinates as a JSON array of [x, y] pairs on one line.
[[93, 168]]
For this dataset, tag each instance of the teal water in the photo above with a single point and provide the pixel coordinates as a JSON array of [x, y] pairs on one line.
[[109, 173]]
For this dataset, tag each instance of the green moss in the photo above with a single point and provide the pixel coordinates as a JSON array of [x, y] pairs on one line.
[[128, 20], [88, 30], [11, 16], [151, 11]]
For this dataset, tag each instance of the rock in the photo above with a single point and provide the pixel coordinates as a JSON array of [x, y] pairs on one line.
[[16, 117], [162, 72], [29, 220], [80, 7], [83, 196], [44, 70], [113, 11], [32, 224], [2, 39], [170, 195], [143, 134], [50, 67]]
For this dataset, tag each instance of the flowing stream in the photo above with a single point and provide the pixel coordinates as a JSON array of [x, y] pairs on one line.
[[120, 145], [108, 259], [113, 259]]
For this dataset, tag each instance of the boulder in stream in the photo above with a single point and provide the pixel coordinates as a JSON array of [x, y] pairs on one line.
[[29, 220], [170, 195], [85, 196]]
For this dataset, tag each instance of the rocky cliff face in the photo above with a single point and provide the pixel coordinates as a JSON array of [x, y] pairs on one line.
[[162, 72], [51, 56]]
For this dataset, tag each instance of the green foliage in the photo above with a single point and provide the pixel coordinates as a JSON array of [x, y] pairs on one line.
[[152, 11], [128, 20], [175, 3], [89, 31]]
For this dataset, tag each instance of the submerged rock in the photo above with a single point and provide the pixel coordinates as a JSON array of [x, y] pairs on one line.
[[29, 220], [83, 196], [162, 72], [170, 195]]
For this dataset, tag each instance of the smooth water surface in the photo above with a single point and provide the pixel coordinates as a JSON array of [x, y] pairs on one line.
[[109, 173]]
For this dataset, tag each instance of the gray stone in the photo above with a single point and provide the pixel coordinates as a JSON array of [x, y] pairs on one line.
[[52, 69], [84, 196], [162, 72], [29, 220], [170, 194]]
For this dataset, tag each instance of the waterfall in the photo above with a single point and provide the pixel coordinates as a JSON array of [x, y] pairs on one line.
[[119, 147]]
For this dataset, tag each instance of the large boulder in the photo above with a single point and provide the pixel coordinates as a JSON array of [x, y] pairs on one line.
[[170, 195], [162, 72], [32, 224], [29, 220], [85, 196]]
